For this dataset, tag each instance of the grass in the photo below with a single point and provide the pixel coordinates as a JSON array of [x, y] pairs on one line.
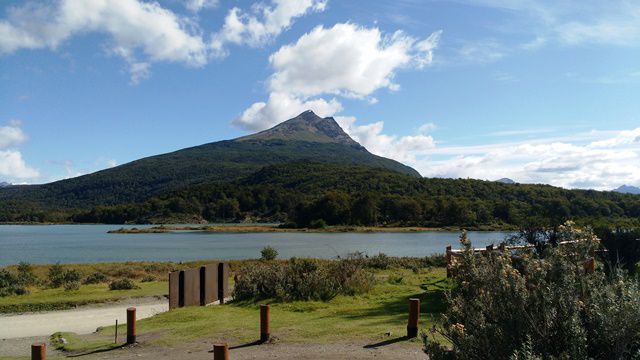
[[58, 299], [345, 318]]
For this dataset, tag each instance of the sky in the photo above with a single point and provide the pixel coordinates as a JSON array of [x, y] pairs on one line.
[[536, 91]]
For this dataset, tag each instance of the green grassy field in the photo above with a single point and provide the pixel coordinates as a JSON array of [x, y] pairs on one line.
[[58, 299], [345, 318]]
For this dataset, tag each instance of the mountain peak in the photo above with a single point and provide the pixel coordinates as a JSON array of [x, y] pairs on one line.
[[506, 181], [627, 189], [306, 127]]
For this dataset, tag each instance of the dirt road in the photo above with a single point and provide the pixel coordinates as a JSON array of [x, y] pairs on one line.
[[83, 320]]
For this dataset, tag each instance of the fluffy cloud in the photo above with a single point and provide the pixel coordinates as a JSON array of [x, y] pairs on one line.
[[137, 29], [12, 166], [263, 23], [406, 149], [345, 60], [597, 160], [282, 106], [143, 32]]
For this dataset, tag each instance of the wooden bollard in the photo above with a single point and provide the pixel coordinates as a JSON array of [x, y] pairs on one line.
[[414, 314], [131, 325], [221, 351], [590, 266], [447, 256], [264, 323], [39, 351]]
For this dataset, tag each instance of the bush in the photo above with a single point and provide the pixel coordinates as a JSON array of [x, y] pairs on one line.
[[71, 279], [302, 279], [71, 285], [96, 278], [380, 261], [26, 277], [148, 278], [540, 305], [122, 284], [318, 224], [268, 253], [67, 278], [9, 284], [56, 275]]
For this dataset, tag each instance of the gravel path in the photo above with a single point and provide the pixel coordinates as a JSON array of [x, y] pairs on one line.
[[83, 320]]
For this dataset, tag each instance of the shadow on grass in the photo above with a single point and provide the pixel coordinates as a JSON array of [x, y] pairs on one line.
[[432, 302], [386, 342]]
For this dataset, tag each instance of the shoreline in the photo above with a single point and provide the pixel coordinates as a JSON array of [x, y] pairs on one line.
[[276, 229]]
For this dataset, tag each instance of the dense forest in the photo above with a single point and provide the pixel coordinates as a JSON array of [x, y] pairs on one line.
[[317, 194]]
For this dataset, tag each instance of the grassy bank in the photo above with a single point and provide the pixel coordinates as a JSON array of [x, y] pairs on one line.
[[345, 318], [60, 299]]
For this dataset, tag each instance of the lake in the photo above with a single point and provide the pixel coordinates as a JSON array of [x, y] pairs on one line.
[[67, 244]]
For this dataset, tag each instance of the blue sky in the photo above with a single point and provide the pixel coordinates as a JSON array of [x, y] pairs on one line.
[[538, 91]]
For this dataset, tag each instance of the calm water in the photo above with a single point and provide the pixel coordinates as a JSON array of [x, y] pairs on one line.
[[91, 243]]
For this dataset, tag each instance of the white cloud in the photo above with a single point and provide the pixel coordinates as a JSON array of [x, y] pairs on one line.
[[143, 32], [405, 149], [11, 135], [136, 28], [12, 166], [280, 107], [262, 23], [197, 5], [598, 160], [345, 60]]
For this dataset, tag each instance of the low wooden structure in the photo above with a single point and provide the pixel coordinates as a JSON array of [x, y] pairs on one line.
[[199, 286], [452, 255]]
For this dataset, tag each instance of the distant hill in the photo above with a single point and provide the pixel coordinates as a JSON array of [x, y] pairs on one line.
[[626, 189], [506, 181], [306, 137], [4, 184]]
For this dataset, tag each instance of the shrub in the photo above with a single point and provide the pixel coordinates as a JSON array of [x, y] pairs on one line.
[[71, 279], [302, 279], [26, 277], [9, 284], [122, 284], [318, 224], [71, 285], [540, 305], [268, 253], [148, 278], [380, 261], [96, 278], [56, 275]]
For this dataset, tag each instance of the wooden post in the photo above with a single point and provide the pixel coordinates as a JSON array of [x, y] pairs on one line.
[[39, 351], [115, 337], [590, 266], [448, 258], [221, 351], [414, 314], [131, 325], [264, 323]]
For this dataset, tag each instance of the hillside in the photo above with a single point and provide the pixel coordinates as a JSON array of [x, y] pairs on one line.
[[301, 193], [306, 137]]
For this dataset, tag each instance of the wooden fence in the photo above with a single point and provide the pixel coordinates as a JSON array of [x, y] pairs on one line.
[[200, 286]]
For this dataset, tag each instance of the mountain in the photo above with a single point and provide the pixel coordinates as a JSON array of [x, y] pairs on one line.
[[627, 189], [4, 184], [506, 181], [306, 137]]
